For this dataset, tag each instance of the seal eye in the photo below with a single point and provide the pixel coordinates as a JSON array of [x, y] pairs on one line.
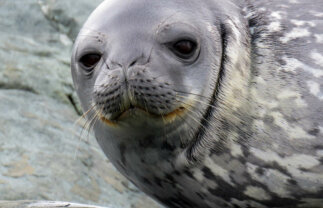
[[89, 61], [184, 48]]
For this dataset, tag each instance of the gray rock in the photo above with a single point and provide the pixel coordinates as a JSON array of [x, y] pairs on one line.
[[44, 157], [36, 40]]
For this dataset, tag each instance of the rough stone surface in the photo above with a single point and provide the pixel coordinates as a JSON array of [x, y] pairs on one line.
[[44, 153]]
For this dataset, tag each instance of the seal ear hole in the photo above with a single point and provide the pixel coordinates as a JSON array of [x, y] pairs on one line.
[[89, 61]]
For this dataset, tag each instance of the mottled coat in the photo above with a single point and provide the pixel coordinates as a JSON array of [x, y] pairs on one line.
[[236, 123]]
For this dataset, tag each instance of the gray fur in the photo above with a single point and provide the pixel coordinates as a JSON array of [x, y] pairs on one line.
[[248, 124]]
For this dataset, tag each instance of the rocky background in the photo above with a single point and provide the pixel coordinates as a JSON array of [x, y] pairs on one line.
[[45, 152]]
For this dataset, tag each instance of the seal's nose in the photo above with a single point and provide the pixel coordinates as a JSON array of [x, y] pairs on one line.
[[128, 52], [126, 62]]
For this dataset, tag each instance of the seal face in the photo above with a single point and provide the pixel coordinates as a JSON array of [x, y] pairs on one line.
[[206, 103]]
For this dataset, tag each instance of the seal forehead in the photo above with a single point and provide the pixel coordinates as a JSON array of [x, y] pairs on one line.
[[135, 15]]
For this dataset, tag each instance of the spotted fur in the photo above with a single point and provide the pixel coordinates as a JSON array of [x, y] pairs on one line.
[[241, 127]]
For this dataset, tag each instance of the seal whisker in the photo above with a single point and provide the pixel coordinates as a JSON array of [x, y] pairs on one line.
[[84, 116], [196, 114], [191, 128], [190, 93], [201, 102], [87, 125], [197, 121], [93, 122]]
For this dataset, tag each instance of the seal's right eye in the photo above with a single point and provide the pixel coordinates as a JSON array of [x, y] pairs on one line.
[[89, 61]]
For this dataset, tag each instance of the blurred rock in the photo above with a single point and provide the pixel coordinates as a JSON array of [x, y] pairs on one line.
[[36, 41], [44, 155]]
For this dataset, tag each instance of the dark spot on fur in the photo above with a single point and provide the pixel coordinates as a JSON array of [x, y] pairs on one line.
[[268, 119], [177, 173], [314, 131], [276, 166], [170, 179], [208, 173], [158, 181], [292, 182], [146, 181], [181, 201], [260, 171], [189, 174], [146, 142], [281, 62], [201, 195], [167, 146]]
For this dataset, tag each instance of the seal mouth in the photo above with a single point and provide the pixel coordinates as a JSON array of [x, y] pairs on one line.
[[133, 110]]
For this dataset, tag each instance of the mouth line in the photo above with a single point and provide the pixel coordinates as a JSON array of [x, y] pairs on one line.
[[166, 118]]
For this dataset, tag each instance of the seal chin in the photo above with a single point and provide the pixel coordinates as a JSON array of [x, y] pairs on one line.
[[133, 112]]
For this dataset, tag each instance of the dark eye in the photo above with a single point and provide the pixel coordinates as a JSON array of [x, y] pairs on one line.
[[89, 61], [184, 48]]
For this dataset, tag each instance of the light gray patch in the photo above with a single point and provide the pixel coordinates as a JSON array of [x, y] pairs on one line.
[[275, 27], [294, 1], [319, 38], [292, 96], [309, 181], [294, 131], [236, 150], [302, 23], [276, 181], [295, 161], [317, 57], [293, 64], [238, 172], [296, 33], [314, 89], [257, 193], [218, 171], [309, 202], [319, 153], [278, 15], [316, 13]]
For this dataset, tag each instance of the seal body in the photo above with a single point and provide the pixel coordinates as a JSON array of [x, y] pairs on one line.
[[208, 103]]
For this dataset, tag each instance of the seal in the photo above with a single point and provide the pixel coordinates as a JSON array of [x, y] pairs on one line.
[[210, 103]]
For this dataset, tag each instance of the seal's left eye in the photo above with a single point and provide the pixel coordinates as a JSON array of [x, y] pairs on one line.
[[184, 48], [89, 61]]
